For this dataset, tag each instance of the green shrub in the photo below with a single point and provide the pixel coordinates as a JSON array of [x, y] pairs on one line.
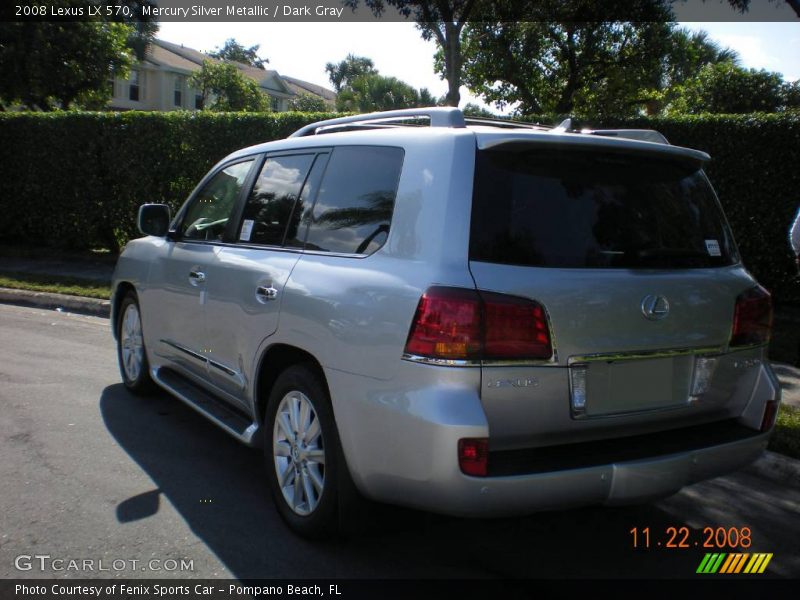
[[76, 180]]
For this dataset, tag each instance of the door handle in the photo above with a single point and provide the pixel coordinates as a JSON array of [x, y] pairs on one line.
[[266, 293], [196, 277]]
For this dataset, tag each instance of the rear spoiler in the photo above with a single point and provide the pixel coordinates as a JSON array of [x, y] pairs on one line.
[[609, 140], [643, 135]]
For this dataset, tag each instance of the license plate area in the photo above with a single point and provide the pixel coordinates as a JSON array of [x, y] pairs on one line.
[[604, 388]]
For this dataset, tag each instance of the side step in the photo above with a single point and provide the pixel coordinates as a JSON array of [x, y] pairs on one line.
[[236, 424]]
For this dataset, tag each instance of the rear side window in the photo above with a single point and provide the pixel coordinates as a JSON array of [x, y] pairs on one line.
[[355, 203], [583, 209], [271, 208]]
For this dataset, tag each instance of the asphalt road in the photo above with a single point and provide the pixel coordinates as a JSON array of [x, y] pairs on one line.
[[88, 471]]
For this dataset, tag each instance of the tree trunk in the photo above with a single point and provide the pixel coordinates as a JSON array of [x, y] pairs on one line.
[[452, 62]]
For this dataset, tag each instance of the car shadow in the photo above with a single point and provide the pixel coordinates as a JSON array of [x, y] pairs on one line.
[[219, 488]]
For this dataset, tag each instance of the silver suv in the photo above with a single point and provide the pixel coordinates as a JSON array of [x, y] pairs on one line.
[[473, 318]]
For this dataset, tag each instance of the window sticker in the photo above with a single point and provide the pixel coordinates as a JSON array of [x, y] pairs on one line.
[[712, 246], [247, 230]]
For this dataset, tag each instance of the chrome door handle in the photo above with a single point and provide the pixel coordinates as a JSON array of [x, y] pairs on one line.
[[266, 293], [196, 277]]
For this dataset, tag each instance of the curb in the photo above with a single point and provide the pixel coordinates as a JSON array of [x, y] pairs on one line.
[[89, 306]]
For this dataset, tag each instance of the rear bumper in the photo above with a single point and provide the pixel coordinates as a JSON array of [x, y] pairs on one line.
[[611, 484], [400, 446]]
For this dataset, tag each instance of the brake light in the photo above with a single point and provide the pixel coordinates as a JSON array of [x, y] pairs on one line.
[[447, 324], [464, 324], [770, 412], [752, 318], [473, 456]]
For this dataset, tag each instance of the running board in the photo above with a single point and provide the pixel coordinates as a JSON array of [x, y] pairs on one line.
[[237, 425]]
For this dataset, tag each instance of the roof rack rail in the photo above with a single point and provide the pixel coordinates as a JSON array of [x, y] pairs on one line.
[[505, 123], [440, 116]]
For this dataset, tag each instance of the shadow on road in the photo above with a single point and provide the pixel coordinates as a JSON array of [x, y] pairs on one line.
[[218, 486]]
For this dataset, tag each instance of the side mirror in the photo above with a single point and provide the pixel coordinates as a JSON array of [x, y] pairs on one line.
[[153, 219]]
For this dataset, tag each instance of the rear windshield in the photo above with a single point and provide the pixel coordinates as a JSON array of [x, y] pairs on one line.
[[581, 209]]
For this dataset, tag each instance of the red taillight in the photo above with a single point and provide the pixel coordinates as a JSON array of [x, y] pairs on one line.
[[447, 324], [770, 412], [463, 324], [514, 328], [473, 456], [752, 317]]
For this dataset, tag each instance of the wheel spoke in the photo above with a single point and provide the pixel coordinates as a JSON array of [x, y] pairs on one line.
[[286, 428], [316, 455], [286, 475], [309, 492], [298, 491], [294, 413], [282, 448], [305, 415], [313, 431], [315, 477]]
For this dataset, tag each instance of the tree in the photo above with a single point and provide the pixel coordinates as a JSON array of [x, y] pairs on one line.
[[727, 88], [234, 51], [369, 93], [744, 5], [343, 73], [223, 88], [588, 68], [439, 20], [308, 103], [51, 65], [374, 92]]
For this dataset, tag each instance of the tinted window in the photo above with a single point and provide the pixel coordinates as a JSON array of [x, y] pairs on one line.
[[207, 216], [356, 200], [581, 209], [271, 207]]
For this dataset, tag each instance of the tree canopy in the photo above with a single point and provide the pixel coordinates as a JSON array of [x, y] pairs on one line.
[[439, 20], [727, 88], [343, 73], [50, 65], [233, 50], [224, 88], [374, 92], [308, 103]]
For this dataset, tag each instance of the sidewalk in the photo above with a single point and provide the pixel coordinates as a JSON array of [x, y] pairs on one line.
[[100, 271]]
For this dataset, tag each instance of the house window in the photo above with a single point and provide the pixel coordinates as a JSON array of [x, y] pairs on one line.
[[198, 101], [133, 86], [177, 96], [274, 103]]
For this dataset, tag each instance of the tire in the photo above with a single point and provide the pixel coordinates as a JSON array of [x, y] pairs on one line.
[[303, 457], [131, 354]]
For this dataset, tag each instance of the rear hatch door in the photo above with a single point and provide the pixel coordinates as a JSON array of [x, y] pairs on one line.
[[635, 265]]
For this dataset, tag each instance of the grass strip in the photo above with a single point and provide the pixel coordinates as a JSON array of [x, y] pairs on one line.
[[58, 284], [786, 438]]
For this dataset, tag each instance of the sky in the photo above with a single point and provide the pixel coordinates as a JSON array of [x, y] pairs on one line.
[[301, 50]]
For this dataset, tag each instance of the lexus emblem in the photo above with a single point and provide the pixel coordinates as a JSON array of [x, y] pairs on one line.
[[655, 308]]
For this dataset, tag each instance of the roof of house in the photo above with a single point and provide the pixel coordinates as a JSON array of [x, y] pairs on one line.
[[180, 57], [304, 87]]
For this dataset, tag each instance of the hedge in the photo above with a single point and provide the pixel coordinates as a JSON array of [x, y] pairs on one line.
[[75, 180]]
